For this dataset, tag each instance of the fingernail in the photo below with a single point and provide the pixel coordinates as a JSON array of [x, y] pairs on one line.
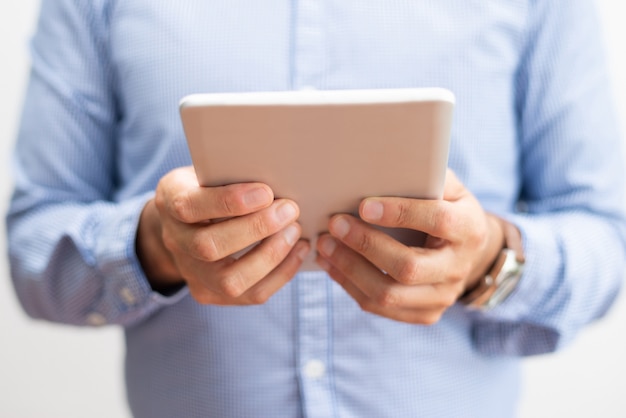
[[372, 210], [340, 227], [286, 212], [327, 246], [256, 197], [291, 234]]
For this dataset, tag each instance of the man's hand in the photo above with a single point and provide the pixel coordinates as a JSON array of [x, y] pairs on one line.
[[409, 284], [189, 234]]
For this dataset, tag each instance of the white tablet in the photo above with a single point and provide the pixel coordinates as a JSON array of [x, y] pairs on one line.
[[326, 150]]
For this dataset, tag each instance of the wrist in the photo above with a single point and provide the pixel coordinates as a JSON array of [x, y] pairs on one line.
[[502, 277], [493, 246], [155, 259]]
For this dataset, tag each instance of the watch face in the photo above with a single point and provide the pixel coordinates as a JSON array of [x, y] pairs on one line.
[[506, 279]]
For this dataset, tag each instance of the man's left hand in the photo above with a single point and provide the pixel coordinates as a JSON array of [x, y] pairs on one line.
[[412, 284]]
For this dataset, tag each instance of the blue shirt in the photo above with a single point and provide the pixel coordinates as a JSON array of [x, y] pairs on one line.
[[534, 138]]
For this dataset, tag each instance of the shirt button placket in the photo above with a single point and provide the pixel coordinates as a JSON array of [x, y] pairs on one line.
[[308, 45], [315, 345], [314, 339]]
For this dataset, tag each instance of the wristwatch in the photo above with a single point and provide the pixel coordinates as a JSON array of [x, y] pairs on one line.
[[503, 275]]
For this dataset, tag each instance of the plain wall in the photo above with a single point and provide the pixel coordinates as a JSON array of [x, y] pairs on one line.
[[51, 370]]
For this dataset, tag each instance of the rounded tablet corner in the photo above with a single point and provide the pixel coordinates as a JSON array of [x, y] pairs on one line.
[[442, 94], [187, 101]]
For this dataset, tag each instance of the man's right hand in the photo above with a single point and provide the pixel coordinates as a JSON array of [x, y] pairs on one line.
[[189, 234]]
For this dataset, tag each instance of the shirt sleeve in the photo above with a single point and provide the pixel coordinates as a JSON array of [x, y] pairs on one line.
[[71, 244], [572, 187]]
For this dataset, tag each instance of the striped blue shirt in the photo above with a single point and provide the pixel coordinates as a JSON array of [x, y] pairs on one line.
[[534, 137]]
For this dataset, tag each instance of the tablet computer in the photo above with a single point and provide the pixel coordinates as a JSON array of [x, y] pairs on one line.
[[326, 150]]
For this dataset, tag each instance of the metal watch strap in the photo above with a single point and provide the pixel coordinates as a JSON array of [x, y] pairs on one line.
[[503, 275]]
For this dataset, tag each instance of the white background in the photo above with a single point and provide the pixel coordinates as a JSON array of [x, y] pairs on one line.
[[57, 371]]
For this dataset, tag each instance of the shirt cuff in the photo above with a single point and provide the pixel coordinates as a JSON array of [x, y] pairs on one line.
[[512, 327], [541, 269], [129, 295]]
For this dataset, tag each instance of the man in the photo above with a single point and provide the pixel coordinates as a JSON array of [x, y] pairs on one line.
[[108, 225]]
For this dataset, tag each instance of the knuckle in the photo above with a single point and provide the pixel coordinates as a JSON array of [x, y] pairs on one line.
[[364, 243], [204, 247], [443, 222], [408, 271], [275, 253], [181, 207], [402, 214], [259, 227], [228, 206], [388, 298], [232, 286]]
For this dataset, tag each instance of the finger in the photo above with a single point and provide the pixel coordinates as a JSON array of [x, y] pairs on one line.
[[216, 241], [350, 263], [258, 293], [407, 265], [229, 279], [381, 288], [409, 315], [262, 291], [186, 201], [251, 268], [196, 274], [434, 217]]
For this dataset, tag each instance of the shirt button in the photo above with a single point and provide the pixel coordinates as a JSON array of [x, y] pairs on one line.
[[127, 296], [314, 369], [96, 319]]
